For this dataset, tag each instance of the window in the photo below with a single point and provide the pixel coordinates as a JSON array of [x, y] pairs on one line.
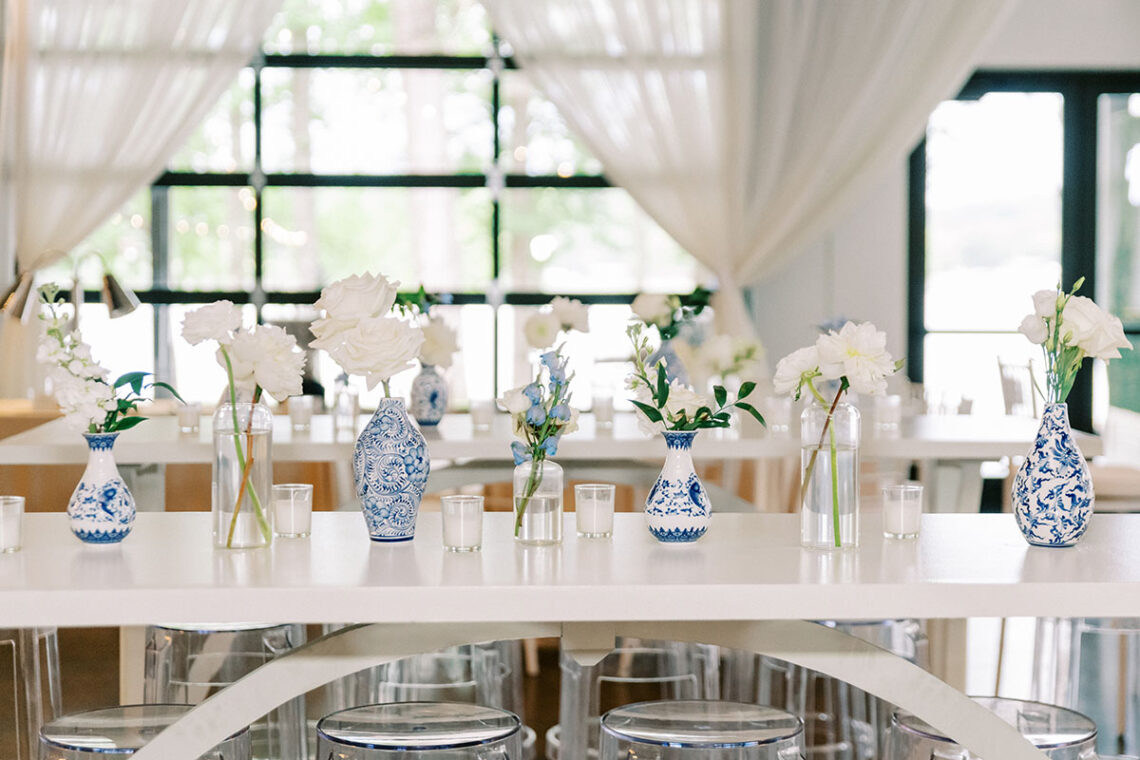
[[393, 136]]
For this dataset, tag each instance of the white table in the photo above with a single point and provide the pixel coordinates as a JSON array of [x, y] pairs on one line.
[[741, 585]]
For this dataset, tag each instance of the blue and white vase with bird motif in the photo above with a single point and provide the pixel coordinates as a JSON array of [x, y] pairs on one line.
[[429, 396], [678, 509], [101, 510], [1052, 492], [390, 463]]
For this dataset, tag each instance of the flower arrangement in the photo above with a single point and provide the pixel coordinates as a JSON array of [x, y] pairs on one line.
[[672, 405], [856, 356], [720, 358], [263, 359], [669, 313], [542, 415], [1070, 328], [358, 332], [560, 315], [89, 402]]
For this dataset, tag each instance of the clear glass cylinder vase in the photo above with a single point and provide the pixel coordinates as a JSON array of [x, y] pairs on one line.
[[829, 476], [242, 476], [538, 503]]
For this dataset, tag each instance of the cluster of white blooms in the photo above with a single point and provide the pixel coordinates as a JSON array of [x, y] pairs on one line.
[[719, 357], [656, 309], [1082, 324], [440, 343], [79, 383], [857, 352], [682, 400], [542, 327]]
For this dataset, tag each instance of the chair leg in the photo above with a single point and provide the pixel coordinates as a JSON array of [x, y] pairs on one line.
[[530, 656], [1000, 657]]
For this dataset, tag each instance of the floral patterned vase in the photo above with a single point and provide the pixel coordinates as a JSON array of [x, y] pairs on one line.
[[429, 396], [678, 509], [101, 510], [1053, 493], [391, 466]]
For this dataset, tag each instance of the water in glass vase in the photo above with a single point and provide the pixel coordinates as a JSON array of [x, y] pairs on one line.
[[818, 519], [542, 522], [238, 523]]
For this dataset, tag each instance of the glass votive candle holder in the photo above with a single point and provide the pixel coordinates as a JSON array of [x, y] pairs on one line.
[[887, 413], [300, 413], [594, 509], [292, 510], [188, 416], [902, 510], [482, 415], [11, 523], [462, 522], [777, 412]]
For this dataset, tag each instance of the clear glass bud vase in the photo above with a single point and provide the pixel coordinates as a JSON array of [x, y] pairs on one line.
[[242, 476], [538, 503], [829, 476]]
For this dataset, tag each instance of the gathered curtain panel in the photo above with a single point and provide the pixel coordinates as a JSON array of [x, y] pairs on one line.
[[745, 128], [95, 96]]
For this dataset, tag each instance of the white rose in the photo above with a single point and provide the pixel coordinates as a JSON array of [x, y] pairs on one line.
[[1034, 328], [792, 368], [655, 308], [541, 329], [347, 301], [215, 321], [571, 314], [682, 398], [1093, 330], [1045, 303], [378, 348], [514, 401], [440, 343], [859, 353], [279, 365]]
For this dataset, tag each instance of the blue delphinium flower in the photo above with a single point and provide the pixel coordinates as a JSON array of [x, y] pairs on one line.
[[561, 412], [533, 392], [520, 452], [551, 445], [536, 415]]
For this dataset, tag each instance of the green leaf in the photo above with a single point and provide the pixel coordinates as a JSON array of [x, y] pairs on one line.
[[133, 379], [720, 394], [751, 410], [702, 413], [662, 386], [653, 414], [169, 387], [126, 423], [745, 390], [123, 405]]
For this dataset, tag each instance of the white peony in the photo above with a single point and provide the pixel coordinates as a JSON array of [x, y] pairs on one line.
[[440, 343], [1093, 330], [1034, 328], [655, 308], [682, 398], [347, 301], [792, 368], [216, 321], [571, 314], [859, 353], [514, 401], [377, 348], [1045, 303], [541, 329]]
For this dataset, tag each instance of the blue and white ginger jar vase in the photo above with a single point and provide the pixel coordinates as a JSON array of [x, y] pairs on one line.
[[101, 510], [429, 396], [1053, 493], [390, 463], [678, 509]]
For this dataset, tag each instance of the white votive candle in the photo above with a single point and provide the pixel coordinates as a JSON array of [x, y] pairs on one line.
[[292, 510], [482, 415], [604, 412], [594, 509], [11, 523], [301, 413], [902, 510], [188, 415], [462, 522]]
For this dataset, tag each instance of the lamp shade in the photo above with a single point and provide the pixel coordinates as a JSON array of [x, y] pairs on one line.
[[16, 298], [119, 299]]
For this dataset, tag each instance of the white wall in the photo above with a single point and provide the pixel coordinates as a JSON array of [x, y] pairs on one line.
[[859, 270]]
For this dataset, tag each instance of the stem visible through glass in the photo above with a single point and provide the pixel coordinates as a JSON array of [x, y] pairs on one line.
[[828, 432], [533, 481], [246, 464]]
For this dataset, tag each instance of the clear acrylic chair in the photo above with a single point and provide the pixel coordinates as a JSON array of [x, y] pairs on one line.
[[187, 663], [1060, 733], [32, 657], [119, 731], [700, 730], [420, 731]]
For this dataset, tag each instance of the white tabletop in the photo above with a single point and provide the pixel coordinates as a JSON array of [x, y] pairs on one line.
[[748, 567], [966, 437]]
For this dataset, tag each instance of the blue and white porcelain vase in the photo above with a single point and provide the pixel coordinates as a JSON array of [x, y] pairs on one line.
[[1053, 493], [391, 466], [678, 509], [429, 396], [101, 510]]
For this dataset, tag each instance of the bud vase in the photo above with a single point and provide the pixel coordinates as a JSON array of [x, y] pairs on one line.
[[829, 476], [101, 509], [538, 502], [1052, 491], [242, 476], [429, 396], [678, 508], [391, 465]]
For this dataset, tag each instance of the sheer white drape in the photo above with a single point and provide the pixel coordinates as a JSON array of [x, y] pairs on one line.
[[95, 96], [745, 127]]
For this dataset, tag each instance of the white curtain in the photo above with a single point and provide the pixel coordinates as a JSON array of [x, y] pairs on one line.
[[95, 96], [746, 127]]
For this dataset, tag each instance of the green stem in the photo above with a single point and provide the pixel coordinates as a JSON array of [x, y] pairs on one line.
[[810, 470], [387, 389], [533, 481], [834, 486], [246, 466]]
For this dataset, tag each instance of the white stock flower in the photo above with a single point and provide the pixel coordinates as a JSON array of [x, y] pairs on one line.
[[859, 353], [792, 368], [216, 321], [377, 348], [440, 343], [1093, 330], [1045, 303], [346, 302], [1034, 328], [541, 329], [571, 314], [655, 308]]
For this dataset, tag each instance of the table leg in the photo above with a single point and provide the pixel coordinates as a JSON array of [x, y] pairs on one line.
[[132, 654]]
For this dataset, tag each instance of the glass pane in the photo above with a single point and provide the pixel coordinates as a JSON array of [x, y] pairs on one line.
[[993, 208], [588, 241], [437, 237], [123, 242], [380, 27], [535, 138], [197, 374], [964, 366], [376, 121], [211, 238], [124, 344], [224, 141]]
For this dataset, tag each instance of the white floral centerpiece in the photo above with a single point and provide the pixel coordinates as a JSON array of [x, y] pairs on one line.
[[440, 342], [543, 327]]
